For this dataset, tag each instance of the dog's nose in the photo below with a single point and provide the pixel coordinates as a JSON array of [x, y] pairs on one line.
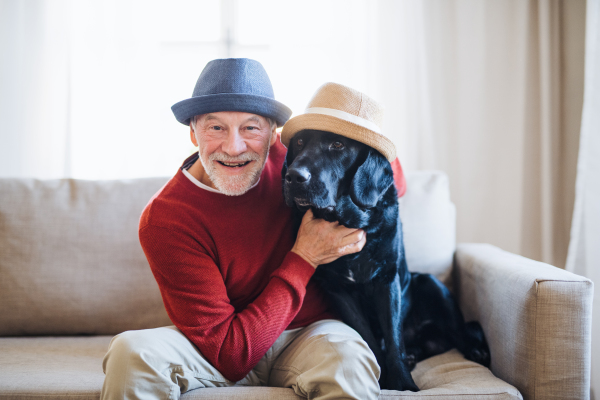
[[297, 175]]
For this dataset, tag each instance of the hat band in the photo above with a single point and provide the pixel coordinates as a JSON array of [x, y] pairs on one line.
[[345, 117]]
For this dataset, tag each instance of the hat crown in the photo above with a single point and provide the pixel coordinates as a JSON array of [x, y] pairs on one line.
[[344, 111], [234, 75], [342, 98]]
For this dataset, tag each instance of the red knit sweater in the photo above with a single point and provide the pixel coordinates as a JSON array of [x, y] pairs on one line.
[[224, 268]]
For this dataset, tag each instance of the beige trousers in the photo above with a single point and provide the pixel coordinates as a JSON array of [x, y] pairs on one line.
[[325, 360]]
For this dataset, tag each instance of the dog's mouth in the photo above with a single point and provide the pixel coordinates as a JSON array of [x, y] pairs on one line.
[[234, 164], [302, 202]]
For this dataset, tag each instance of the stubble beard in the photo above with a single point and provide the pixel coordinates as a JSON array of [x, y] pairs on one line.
[[239, 184]]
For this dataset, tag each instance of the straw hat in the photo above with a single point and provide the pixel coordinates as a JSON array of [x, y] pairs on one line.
[[232, 84], [339, 109]]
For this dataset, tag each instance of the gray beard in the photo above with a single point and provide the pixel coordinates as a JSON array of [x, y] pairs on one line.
[[234, 185]]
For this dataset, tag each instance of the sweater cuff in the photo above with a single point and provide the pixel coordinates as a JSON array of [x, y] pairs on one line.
[[295, 270]]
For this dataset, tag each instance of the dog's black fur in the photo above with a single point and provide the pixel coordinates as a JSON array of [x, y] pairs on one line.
[[404, 317]]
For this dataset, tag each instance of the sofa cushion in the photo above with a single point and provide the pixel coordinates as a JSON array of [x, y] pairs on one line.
[[71, 262], [60, 367], [52, 368], [70, 258], [429, 223]]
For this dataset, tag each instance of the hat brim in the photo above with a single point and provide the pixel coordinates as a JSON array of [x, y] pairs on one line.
[[335, 125], [260, 105]]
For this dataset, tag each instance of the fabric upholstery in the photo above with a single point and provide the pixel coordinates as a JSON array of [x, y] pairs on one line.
[[537, 320], [429, 223], [70, 258], [71, 262], [53, 368], [451, 376]]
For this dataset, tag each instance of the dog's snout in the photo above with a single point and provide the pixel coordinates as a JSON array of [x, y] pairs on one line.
[[297, 175]]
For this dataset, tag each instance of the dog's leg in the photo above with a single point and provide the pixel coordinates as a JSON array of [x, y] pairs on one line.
[[388, 302], [348, 308], [445, 327]]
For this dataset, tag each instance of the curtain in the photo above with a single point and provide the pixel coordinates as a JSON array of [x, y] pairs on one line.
[[491, 93], [584, 248], [488, 91], [34, 88], [86, 85]]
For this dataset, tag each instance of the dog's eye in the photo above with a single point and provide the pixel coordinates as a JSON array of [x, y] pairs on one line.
[[300, 142], [337, 145]]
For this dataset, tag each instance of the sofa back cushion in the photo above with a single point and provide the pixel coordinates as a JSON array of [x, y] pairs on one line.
[[71, 262], [429, 223], [70, 258]]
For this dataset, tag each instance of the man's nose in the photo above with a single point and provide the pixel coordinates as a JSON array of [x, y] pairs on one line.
[[234, 143], [297, 175]]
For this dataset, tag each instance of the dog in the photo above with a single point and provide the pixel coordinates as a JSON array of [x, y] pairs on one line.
[[404, 317]]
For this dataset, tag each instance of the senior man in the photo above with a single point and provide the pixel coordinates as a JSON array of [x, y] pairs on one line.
[[234, 278]]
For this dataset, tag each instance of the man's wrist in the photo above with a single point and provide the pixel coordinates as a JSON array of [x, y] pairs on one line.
[[305, 258]]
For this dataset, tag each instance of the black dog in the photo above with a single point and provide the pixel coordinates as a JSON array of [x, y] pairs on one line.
[[404, 317]]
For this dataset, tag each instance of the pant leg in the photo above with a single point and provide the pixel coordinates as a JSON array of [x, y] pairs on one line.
[[328, 360], [156, 363]]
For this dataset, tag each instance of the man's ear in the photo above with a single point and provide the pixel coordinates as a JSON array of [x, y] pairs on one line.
[[274, 136], [372, 179], [193, 137]]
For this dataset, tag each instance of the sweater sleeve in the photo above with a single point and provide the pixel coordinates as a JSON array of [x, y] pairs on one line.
[[196, 300]]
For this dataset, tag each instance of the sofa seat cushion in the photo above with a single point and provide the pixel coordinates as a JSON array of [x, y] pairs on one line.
[[52, 367], [60, 367]]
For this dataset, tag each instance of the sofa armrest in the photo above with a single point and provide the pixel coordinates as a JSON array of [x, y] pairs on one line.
[[536, 318]]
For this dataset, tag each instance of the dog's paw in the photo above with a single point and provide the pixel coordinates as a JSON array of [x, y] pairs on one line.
[[412, 386], [400, 379], [480, 356], [478, 350], [411, 361], [397, 385]]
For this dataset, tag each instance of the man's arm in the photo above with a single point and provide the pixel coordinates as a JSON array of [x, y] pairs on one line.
[[196, 300]]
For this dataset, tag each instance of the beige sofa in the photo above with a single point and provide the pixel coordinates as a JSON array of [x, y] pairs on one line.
[[72, 275]]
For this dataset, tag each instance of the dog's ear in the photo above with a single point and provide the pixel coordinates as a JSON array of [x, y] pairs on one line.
[[372, 180]]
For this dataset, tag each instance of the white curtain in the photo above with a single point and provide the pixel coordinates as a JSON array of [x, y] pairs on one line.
[[34, 88], [86, 85], [584, 250], [490, 92]]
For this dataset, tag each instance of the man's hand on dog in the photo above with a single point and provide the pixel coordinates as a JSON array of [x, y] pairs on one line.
[[321, 242]]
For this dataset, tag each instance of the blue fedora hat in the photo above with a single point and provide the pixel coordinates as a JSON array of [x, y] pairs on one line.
[[232, 84]]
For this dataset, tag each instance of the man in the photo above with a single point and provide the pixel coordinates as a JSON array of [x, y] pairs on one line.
[[234, 281]]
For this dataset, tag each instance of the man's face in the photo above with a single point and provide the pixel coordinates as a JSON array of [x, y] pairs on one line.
[[233, 148]]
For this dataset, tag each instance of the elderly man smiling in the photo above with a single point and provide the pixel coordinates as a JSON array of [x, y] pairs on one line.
[[234, 278]]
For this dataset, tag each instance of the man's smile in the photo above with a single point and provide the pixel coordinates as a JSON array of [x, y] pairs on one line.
[[234, 164]]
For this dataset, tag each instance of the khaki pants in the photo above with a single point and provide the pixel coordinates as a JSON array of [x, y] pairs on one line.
[[325, 360]]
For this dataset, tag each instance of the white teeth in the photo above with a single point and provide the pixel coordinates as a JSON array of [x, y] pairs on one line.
[[232, 164], [301, 202]]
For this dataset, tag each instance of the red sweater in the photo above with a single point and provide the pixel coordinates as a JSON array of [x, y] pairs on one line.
[[224, 268]]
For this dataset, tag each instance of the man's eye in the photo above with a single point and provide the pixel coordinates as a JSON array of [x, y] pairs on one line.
[[300, 142], [337, 145], [216, 128], [251, 128]]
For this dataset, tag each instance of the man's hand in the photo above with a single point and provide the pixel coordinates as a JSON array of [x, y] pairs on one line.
[[321, 242]]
